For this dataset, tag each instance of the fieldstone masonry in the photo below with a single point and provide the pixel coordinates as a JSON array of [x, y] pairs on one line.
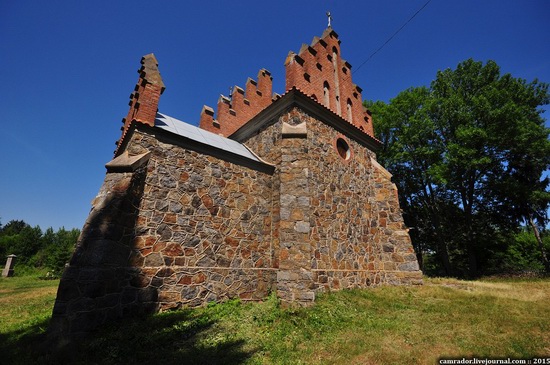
[[185, 217], [340, 221]]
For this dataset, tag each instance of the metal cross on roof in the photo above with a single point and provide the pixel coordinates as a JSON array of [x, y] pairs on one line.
[[329, 16]]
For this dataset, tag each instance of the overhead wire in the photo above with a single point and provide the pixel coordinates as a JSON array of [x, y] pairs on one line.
[[393, 35]]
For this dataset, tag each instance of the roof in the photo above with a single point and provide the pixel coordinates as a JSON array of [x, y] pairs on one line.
[[208, 142], [200, 135]]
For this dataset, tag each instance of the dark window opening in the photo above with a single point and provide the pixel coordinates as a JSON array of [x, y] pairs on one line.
[[343, 149]]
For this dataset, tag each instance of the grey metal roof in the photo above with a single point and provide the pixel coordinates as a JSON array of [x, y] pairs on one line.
[[197, 134]]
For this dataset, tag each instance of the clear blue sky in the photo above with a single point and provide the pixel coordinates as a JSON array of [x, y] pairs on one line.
[[68, 68]]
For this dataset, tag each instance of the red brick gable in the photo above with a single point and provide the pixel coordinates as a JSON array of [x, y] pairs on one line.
[[240, 107], [319, 71], [144, 100]]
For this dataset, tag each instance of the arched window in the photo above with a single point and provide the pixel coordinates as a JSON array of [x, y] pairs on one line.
[[350, 114], [326, 94], [336, 84]]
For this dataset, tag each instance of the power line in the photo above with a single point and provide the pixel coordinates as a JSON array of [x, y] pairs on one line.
[[393, 35]]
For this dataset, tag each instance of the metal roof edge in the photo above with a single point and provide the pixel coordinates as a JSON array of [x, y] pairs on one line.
[[185, 142]]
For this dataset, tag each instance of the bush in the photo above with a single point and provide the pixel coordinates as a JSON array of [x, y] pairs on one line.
[[522, 255]]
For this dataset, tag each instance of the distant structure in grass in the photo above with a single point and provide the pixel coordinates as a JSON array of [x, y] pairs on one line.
[[8, 268], [272, 193]]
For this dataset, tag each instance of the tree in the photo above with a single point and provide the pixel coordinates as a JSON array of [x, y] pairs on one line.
[[34, 248], [57, 248], [468, 154], [487, 121], [26, 243], [522, 254], [14, 227], [411, 148]]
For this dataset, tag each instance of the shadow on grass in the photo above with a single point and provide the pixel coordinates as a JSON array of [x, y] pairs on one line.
[[18, 346], [179, 337]]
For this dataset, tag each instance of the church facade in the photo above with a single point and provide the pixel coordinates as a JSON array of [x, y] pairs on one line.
[[271, 193]]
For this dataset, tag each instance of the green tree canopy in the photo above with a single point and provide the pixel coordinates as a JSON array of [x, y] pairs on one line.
[[468, 155], [49, 250]]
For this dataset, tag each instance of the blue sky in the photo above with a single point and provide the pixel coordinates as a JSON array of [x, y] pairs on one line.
[[68, 68]]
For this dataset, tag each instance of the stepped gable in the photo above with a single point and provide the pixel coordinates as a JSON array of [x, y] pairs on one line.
[[319, 71], [295, 97], [144, 99], [240, 107]]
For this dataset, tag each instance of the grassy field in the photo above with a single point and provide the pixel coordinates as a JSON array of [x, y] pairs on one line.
[[388, 325]]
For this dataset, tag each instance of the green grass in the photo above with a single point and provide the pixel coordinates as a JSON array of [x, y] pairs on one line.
[[25, 301], [26, 304], [387, 325]]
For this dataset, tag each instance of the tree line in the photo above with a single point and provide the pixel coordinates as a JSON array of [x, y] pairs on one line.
[[49, 250], [468, 154]]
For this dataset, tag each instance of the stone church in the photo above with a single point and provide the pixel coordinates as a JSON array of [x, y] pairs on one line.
[[271, 193]]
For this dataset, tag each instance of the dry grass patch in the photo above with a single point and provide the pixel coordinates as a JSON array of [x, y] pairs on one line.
[[530, 291]]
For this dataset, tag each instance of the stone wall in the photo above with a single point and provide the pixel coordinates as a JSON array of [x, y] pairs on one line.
[[358, 235], [204, 227], [340, 221], [182, 230]]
